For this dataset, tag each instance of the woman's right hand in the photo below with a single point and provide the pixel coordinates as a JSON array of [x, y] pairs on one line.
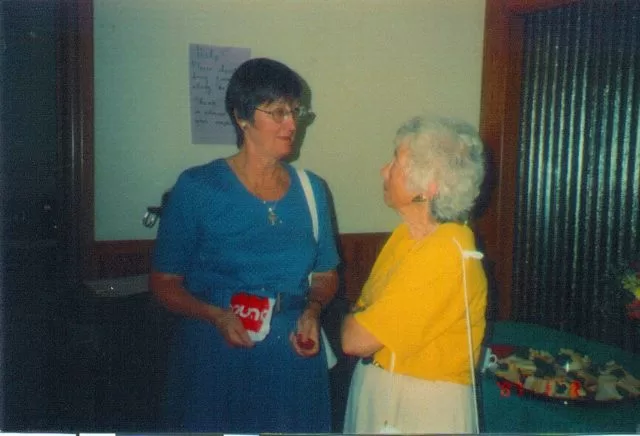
[[169, 291], [231, 328]]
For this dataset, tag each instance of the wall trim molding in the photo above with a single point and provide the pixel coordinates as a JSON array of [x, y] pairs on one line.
[[358, 251]]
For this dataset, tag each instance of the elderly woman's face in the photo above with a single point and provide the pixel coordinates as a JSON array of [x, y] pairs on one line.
[[396, 194], [274, 129]]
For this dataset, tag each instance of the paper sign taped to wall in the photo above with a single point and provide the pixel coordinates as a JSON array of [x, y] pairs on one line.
[[210, 68]]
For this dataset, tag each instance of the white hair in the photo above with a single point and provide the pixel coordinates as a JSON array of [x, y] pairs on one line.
[[450, 154]]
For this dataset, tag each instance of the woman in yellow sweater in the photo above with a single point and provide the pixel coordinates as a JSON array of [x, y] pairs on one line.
[[422, 310]]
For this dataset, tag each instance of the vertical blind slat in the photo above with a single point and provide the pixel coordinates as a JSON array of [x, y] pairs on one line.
[[578, 202]]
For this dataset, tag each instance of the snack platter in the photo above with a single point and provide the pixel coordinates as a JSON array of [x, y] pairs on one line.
[[567, 376]]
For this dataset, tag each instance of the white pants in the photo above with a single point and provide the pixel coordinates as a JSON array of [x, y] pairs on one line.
[[398, 403]]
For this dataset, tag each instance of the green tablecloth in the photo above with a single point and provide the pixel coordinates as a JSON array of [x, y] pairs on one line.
[[524, 414]]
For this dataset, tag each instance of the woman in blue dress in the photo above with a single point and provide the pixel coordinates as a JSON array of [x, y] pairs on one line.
[[236, 239]]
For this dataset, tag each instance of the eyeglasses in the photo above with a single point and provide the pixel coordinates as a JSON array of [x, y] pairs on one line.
[[279, 114]]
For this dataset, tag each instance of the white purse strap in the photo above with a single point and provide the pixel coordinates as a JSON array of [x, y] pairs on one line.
[[467, 254], [332, 359], [311, 199]]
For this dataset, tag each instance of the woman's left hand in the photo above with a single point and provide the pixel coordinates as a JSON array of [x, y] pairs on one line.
[[306, 339]]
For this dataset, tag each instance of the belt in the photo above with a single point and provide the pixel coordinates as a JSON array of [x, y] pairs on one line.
[[370, 361]]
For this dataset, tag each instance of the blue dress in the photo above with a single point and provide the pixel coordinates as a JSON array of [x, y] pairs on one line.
[[217, 235]]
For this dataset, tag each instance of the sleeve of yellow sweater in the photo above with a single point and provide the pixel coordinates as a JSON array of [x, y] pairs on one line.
[[423, 297]]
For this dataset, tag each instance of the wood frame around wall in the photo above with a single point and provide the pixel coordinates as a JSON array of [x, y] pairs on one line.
[[499, 121], [358, 252]]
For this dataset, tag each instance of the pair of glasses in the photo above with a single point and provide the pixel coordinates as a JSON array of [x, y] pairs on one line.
[[279, 114]]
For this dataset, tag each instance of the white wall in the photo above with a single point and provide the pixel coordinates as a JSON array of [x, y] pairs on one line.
[[370, 64]]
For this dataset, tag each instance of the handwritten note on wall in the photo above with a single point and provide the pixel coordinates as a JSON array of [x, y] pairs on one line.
[[210, 68]]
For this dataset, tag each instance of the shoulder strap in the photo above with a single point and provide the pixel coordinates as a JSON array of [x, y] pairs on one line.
[[332, 360], [469, 254], [311, 200]]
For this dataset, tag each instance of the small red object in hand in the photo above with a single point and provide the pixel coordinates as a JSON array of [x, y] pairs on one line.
[[305, 345]]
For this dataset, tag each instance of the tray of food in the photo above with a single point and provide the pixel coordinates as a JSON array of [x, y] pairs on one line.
[[567, 375]]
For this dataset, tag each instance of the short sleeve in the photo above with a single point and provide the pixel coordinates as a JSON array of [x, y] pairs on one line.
[[176, 238], [421, 300]]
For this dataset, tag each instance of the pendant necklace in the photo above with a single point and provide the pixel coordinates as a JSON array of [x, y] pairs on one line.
[[271, 213], [272, 217]]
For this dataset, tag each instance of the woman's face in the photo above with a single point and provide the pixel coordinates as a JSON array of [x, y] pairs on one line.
[[396, 194], [269, 137]]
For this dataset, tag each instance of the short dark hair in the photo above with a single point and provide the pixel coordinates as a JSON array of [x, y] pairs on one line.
[[255, 82]]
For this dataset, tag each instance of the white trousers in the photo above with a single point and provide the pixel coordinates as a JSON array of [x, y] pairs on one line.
[[382, 402]]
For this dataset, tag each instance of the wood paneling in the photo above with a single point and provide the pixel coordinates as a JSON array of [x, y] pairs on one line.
[[85, 160], [120, 258], [499, 118], [74, 97], [499, 103], [358, 252]]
